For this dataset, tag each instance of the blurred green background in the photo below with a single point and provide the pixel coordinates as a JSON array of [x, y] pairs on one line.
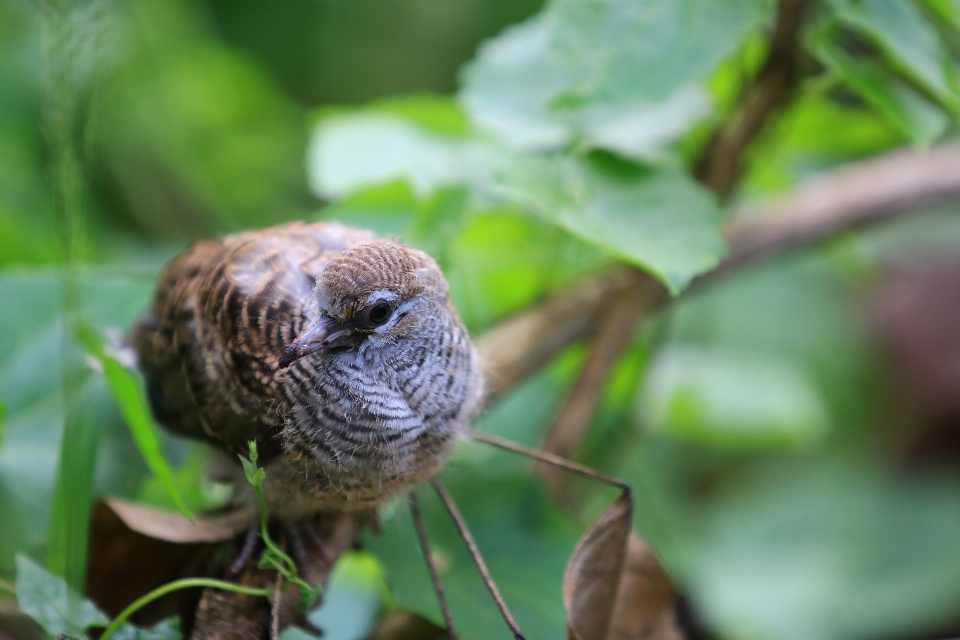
[[791, 432]]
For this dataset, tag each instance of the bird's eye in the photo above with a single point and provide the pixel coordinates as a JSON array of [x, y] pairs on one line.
[[380, 314]]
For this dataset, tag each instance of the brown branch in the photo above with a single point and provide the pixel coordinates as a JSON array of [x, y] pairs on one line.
[[898, 182], [721, 166], [614, 334]]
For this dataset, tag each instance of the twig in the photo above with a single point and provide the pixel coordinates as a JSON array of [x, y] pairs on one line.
[[477, 558], [431, 565], [614, 335], [549, 458], [721, 166], [275, 608]]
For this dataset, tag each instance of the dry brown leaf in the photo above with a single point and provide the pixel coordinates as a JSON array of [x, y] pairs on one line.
[[592, 576], [171, 526], [646, 600]]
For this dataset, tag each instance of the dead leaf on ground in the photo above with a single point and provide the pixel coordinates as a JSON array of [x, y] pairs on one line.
[[593, 573], [171, 526]]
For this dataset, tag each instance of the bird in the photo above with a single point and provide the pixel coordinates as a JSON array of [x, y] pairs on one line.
[[338, 352]]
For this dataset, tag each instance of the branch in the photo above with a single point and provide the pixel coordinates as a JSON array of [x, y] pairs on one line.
[[893, 184], [897, 183], [721, 166]]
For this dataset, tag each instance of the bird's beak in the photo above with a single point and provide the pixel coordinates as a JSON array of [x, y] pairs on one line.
[[318, 335]]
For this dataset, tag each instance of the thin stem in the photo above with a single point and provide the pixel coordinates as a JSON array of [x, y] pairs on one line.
[[275, 609], [477, 558], [549, 458], [434, 575], [6, 586], [170, 587]]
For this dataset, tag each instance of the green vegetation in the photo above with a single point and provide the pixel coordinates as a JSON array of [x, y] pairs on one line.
[[762, 421]]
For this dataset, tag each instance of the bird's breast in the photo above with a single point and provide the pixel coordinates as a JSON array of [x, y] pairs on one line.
[[359, 429]]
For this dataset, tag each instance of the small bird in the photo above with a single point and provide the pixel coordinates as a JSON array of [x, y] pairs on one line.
[[339, 352]]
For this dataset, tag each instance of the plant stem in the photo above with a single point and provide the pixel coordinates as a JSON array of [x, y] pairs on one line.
[[185, 583]]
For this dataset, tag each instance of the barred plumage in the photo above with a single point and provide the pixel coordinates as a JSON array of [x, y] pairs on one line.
[[338, 352]]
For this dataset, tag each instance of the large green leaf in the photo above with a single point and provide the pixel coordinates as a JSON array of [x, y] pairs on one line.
[[660, 219], [352, 151], [617, 74]]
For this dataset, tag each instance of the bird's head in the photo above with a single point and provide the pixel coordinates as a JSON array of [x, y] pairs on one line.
[[381, 292]]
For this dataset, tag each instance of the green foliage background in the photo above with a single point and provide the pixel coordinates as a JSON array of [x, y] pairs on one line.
[[754, 419]]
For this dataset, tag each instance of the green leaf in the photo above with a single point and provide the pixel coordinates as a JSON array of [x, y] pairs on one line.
[[129, 391], [732, 398], [660, 220], [47, 599], [909, 43], [351, 151], [166, 629], [917, 117], [616, 74], [73, 491]]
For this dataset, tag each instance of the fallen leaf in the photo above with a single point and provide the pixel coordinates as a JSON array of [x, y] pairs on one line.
[[593, 574], [646, 599], [171, 526], [124, 565]]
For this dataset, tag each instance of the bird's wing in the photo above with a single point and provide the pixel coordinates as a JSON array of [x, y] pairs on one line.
[[223, 313]]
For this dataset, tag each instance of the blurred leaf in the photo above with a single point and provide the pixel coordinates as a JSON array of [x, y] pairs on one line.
[[732, 398], [921, 120], [30, 349], [910, 43], [594, 571], [835, 551], [166, 629], [352, 600], [369, 147], [815, 134], [47, 599], [199, 492], [73, 488], [129, 391], [614, 74], [660, 220], [520, 539]]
